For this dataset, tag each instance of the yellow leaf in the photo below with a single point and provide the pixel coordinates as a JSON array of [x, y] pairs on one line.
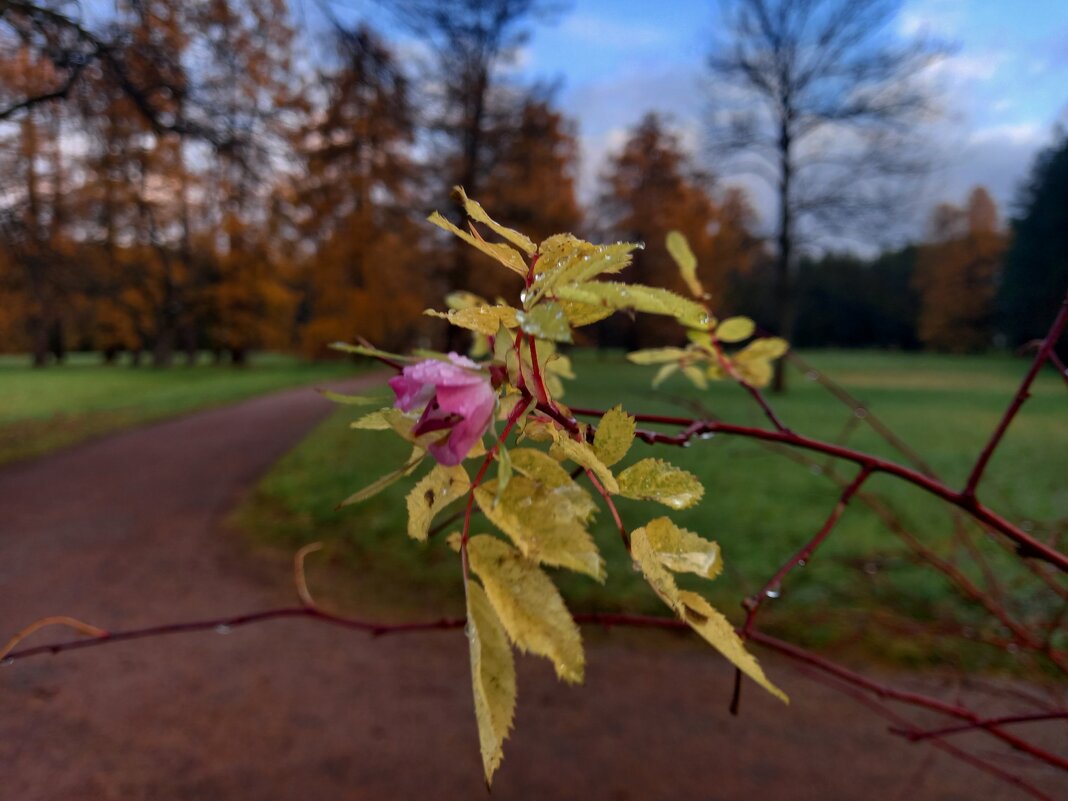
[[697, 613], [507, 256], [464, 300], [582, 454], [615, 434], [657, 355], [696, 376], [350, 400], [478, 214], [664, 373], [682, 551], [480, 319], [580, 314], [528, 604], [718, 632], [546, 321], [436, 490], [545, 470], [651, 300], [375, 421], [680, 251], [735, 329], [764, 348], [545, 524], [657, 480], [492, 678]]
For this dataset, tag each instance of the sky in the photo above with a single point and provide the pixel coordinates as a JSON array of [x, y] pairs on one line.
[[1002, 89]]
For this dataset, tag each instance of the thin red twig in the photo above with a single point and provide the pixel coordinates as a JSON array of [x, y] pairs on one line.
[[1022, 394], [1007, 720]]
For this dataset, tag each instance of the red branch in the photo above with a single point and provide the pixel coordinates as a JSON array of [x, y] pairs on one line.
[[1007, 720], [1022, 394], [753, 603], [1027, 546]]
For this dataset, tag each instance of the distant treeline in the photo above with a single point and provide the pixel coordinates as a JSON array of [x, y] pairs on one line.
[[177, 177]]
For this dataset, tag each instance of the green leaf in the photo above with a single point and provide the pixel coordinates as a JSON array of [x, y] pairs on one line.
[[546, 321], [376, 487], [492, 678], [582, 454], [657, 480], [615, 434], [680, 251], [682, 551], [735, 329], [697, 613], [545, 524], [480, 319], [657, 355], [507, 256], [436, 490], [651, 300], [528, 604], [478, 214]]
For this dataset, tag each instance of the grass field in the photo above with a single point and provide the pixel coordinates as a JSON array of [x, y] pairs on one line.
[[760, 506], [45, 409]]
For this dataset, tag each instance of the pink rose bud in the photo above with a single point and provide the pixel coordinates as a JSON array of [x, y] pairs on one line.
[[458, 395]]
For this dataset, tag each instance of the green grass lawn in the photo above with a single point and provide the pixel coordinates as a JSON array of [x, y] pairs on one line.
[[45, 409], [759, 505]]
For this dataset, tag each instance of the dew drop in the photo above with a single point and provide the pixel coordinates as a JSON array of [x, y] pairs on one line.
[[860, 412], [815, 469], [523, 296], [801, 563], [707, 434], [1027, 526], [871, 568], [222, 628], [773, 592], [7, 661], [687, 444], [812, 375]]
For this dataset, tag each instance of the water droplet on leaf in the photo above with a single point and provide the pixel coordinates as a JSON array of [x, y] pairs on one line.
[[222, 628]]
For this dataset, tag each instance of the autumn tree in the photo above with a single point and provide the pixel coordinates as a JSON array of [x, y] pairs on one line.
[[365, 268], [467, 93], [652, 186], [816, 98], [1035, 277], [956, 275]]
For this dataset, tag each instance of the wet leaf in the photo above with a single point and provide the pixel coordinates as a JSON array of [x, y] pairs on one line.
[[582, 454], [697, 613], [547, 525], [528, 604], [480, 319], [735, 329], [682, 551], [652, 300], [492, 678], [376, 487], [504, 254], [436, 490], [615, 434], [546, 321], [478, 214], [660, 481]]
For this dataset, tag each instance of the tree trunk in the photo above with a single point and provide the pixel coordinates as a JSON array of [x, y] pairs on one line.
[[785, 304]]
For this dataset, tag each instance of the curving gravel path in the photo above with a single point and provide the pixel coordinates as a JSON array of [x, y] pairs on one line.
[[127, 531]]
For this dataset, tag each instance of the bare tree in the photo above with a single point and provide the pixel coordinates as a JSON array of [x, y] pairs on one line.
[[817, 98]]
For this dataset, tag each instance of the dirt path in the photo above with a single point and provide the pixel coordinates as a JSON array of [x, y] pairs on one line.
[[128, 531]]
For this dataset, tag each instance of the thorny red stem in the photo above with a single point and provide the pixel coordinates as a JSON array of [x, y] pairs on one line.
[[1022, 394], [754, 603], [1028, 546], [597, 485]]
